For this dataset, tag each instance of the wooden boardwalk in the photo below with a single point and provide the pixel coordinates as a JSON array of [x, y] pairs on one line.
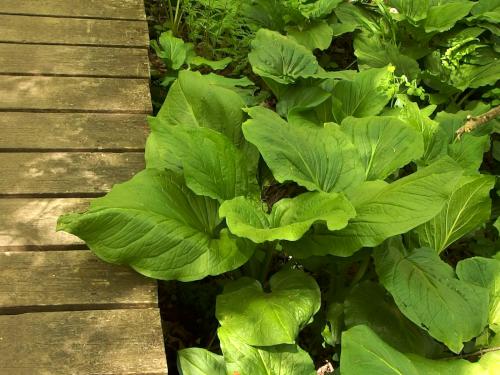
[[74, 95]]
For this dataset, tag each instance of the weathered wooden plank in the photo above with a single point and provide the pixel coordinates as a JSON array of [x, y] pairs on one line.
[[74, 94], [72, 131], [31, 223], [55, 30], [69, 280], [72, 173], [112, 342], [119, 9], [81, 61]]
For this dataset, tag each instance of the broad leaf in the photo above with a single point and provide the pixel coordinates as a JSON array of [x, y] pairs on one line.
[[280, 58], [363, 352], [415, 10], [444, 16], [468, 207], [215, 65], [318, 158], [173, 51], [484, 272], [374, 52], [155, 224], [196, 101], [435, 140], [385, 210], [369, 304], [244, 359], [212, 165], [366, 95], [300, 97], [427, 291], [197, 361], [384, 144], [257, 318], [318, 8], [289, 219], [315, 35], [469, 151]]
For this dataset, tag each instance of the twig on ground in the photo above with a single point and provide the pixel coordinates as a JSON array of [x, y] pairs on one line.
[[475, 122]]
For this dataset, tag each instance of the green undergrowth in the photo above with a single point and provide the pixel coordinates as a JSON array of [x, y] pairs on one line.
[[311, 196]]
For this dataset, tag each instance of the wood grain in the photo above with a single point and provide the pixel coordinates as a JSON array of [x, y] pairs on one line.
[[119, 9], [72, 131], [69, 280], [76, 31], [112, 342], [31, 223], [73, 61], [66, 173], [74, 94]]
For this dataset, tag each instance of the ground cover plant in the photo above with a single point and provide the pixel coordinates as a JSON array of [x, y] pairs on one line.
[[330, 198]]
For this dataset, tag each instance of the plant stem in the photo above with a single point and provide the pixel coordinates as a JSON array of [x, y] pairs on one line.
[[361, 271], [475, 122], [268, 260], [478, 353]]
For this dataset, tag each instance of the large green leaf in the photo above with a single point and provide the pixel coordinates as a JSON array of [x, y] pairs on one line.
[[289, 219], [195, 100], [443, 17], [244, 359], [384, 143], [468, 207], [155, 224], [257, 318], [385, 210], [428, 292], [281, 58], [369, 304], [318, 158], [484, 272], [213, 166], [366, 95], [363, 352], [197, 361], [315, 35]]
